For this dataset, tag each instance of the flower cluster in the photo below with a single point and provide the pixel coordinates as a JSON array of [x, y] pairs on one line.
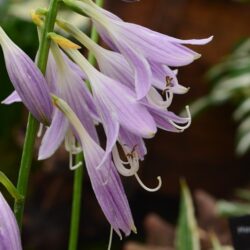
[[129, 95]]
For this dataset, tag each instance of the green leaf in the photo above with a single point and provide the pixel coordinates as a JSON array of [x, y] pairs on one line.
[[230, 209], [215, 242], [187, 230]]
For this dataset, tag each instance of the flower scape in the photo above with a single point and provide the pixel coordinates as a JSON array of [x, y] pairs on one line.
[[129, 94]]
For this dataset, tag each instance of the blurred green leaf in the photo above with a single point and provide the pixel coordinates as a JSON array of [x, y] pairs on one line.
[[230, 83], [215, 242], [230, 209], [187, 231]]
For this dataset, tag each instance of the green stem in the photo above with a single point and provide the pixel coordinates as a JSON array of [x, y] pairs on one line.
[[94, 36], [78, 175], [76, 205], [32, 125]]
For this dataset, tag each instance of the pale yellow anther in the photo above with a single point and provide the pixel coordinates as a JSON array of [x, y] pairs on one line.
[[36, 18], [63, 42]]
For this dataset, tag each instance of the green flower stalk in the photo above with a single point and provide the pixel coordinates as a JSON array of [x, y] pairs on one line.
[[32, 125]]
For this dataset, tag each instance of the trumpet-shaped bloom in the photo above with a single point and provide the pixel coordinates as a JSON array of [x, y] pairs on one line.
[[114, 64], [9, 231], [27, 80], [105, 181], [116, 105], [140, 46], [70, 87]]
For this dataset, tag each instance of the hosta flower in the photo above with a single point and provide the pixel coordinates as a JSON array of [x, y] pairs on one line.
[[27, 80], [70, 86], [105, 180], [9, 231], [114, 65], [140, 46], [116, 105]]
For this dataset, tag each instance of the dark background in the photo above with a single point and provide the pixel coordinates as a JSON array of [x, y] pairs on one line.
[[204, 154]]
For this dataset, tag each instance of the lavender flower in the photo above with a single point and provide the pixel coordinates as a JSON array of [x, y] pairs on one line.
[[105, 181], [27, 80], [114, 65], [9, 231], [70, 86], [116, 105], [140, 46]]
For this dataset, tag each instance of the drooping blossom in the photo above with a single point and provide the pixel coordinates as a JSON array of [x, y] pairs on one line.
[[141, 47], [105, 180], [27, 80], [130, 96], [69, 86], [116, 105], [115, 66], [9, 232]]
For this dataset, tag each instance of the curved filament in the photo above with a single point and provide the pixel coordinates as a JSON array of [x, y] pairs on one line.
[[184, 126], [147, 188], [133, 162], [71, 165]]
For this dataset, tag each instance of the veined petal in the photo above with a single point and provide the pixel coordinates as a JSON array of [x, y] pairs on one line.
[[105, 181], [153, 45], [9, 231], [51, 73], [147, 43], [111, 127], [110, 63], [27, 79], [114, 65], [118, 99], [53, 136], [12, 98], [139, 64], [72, 89], [167, 120]]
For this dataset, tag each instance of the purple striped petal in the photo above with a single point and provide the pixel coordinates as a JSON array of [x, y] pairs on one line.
[[111, 127], [119, 100], [53, 136], [9, 231], [105, 180], [27, 80], [139, 64], [165, 119], [115, 66]]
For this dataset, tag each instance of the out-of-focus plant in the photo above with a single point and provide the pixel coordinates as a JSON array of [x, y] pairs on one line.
[[230, 82], [235, 209], [188, 232]]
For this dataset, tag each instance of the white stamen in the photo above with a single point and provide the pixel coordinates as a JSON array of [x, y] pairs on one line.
[[182, 128], [71, 165], [110, 238], [132, 161], [40, 130], [70, 143], [169, 98], [156, 99], [147, 188]]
